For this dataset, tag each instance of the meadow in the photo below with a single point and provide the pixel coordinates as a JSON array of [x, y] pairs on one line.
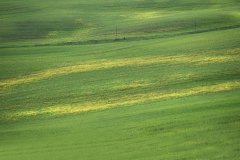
[[122, 79]]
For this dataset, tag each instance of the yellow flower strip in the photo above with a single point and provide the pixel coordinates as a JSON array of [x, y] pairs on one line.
[[198, 59], [123, 101]]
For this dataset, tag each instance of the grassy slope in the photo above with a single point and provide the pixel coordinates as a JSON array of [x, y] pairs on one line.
[[200, 127], [55, 22], [170, 98]]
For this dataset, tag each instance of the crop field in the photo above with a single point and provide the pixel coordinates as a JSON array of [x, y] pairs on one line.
[[140, 79]]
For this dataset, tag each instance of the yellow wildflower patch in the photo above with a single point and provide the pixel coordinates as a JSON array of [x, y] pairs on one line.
[[52, 33], [146, 15], [124, 101], [198, 59]]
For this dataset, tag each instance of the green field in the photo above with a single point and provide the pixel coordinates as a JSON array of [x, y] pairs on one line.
[[140, 79]]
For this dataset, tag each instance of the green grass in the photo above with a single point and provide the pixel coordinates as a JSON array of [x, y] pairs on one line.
[[70, 90], [56, 22], [200, 127]]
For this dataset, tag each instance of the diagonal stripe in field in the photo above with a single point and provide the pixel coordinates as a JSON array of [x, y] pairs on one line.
[[123, 101], [198, 59]]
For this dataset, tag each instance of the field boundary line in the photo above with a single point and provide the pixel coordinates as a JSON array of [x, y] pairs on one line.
[[125, 39]]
